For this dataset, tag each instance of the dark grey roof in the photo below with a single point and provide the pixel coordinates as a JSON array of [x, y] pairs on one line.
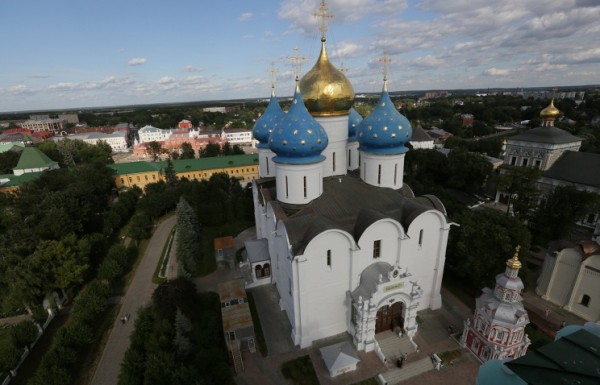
[[572, 359], [550, 135], [576, 167], [349, 204], [419, 135], [257, 250]]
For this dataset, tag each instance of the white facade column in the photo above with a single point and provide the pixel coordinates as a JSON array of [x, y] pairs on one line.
[[353, 156], [266, 167], [382, 170], [335, 153], [299, 183]]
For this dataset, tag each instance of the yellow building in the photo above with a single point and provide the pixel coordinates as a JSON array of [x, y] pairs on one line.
[[242, 167]]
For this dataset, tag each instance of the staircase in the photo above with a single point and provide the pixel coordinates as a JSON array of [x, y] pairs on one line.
[[392, 346], [409, 370], [236, 355]]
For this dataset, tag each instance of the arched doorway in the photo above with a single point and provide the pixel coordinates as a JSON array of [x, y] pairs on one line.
[[389, 316]]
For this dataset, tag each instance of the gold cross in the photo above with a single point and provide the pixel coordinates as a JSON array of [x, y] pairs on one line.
[[342, 68], [385, 60], [296, 60], [323, 15], [517, 251], [272, 71]]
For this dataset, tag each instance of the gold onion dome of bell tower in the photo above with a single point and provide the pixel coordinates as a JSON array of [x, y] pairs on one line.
[[550, 112], [325, 89], [514, 262]]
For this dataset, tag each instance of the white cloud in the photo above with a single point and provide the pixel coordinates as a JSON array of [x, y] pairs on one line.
[[246, 16], [137, 61], [497, 72], [191, 68], [20, 89], [347, 49], [166, 80]]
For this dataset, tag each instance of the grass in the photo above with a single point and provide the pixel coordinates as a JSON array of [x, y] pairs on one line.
[[208, 264], [537, 336], [457, 287], [161, 267], [300, 371], [450, 355], [259, 335]]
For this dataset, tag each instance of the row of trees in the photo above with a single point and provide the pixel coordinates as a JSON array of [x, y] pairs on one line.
[[177, 340], [20, 337], [155, 150]]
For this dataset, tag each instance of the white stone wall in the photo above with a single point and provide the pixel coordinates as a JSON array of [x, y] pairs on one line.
[[587, 283], [382, 170], [299, 184], [565, 272], [336, 128]]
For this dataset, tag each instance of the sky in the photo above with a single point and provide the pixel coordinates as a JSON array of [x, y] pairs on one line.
[[68, 54]]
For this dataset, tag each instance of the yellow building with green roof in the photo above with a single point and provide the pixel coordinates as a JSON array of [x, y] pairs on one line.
[[242, 167]]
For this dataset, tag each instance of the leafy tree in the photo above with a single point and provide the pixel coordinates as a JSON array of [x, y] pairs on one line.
[[9, 355], [154, 149], [559, 211], [60, 265], [139, 227], [187, 151], [468, 171], [520, 184], [24, 334], [170, 175], [8, 161], [210, 150], [478, 249], [188, 237]]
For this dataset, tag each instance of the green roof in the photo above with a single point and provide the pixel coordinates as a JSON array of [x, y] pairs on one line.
[[10, 145], [187, 165], [134, 167], [19, 180], [31, 157]]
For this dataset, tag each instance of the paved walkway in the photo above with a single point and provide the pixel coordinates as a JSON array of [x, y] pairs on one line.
[[139, 294]]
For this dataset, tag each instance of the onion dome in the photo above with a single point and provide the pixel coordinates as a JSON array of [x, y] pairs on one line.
[[385, 130], [326, 90], [267, 122], [298, 137], [514, 262], [353, 121], [550, 112]]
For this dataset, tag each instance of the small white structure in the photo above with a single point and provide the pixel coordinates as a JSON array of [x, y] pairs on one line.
[[116, 140], [153, 134], [258, 263], [237, 135], [340, 358]]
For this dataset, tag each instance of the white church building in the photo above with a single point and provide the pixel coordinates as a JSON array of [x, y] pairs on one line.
[[346, 243]]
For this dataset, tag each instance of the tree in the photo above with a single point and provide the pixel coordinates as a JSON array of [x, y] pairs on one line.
[[210, 150], [559, 211], [187, 151], [154, 149], [9, 355], [478, 249], [170, 175], [24, 334], [60, 265], [8, 161], [520, 184], [188, 237], [139, 227], [468, 171]]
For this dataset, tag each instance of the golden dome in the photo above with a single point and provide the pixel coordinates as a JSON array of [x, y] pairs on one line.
[[514, 262], [326, 90], [550, 112]]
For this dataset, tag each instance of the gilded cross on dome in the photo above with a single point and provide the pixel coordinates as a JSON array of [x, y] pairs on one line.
[[296, 60], [385, 59], [273, 72], [324, 15]]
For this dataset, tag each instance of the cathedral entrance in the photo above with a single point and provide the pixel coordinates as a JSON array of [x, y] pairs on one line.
[[388, 317]]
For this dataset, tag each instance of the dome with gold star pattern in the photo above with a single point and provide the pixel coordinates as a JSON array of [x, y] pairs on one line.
[[325, 89], [385, 130], [298, 138], [267, 122]]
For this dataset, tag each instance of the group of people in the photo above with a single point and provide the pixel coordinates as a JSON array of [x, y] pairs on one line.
[[400, 361], [125, 318]]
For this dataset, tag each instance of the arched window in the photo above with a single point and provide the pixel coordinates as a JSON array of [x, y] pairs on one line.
[[585, 300], [258, 271], [266, 270]]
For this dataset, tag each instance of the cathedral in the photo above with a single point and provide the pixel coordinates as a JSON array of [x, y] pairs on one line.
[[348, 246]]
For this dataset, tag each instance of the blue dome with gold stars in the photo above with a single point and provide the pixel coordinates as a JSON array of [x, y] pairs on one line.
[[353, 121], [267, 122], [298, 138], [385, 131]]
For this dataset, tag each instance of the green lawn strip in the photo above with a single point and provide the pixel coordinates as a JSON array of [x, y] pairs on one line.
[[300, 371], [448, 356], [30, 365], [164, 258], [260, 337]]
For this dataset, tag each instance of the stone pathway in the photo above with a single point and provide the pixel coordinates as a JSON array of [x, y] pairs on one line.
[[139, 294]]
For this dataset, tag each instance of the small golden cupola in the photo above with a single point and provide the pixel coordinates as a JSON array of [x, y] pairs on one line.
[[326, 90], [549, 114]]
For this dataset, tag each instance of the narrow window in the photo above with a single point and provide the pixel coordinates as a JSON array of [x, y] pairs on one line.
[[304, 187], [585, 300], [258, 271], [377, 249], [395, 173], [267, 166], [349, 158], [379, 174], [421, 238], [538, 163], [333, 161], [513, 161], [286, 187], [329, 258], [122, 181], [290, 283], [525, 162]]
